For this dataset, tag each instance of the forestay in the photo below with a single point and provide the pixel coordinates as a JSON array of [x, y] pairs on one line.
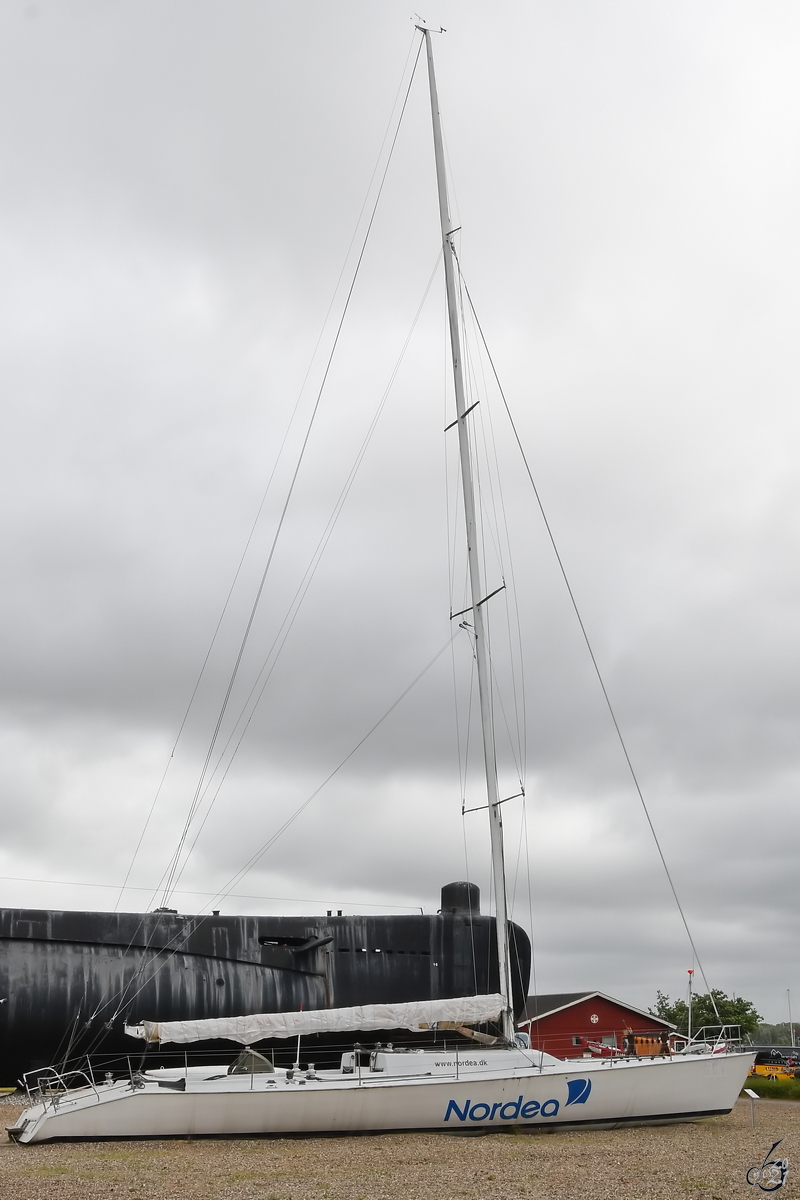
[[419, 1014]]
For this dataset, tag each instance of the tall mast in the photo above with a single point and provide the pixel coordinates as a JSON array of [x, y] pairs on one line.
[[476, 589]]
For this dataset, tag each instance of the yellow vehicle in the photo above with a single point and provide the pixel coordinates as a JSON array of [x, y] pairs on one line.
[[775, 1064]]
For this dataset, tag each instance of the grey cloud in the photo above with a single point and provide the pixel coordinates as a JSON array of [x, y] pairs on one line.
[[182, 185]]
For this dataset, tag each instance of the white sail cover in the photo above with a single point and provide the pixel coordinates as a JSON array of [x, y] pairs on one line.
[[463, 1010]]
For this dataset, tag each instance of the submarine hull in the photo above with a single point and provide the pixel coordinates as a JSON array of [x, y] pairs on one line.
[[70, 981]]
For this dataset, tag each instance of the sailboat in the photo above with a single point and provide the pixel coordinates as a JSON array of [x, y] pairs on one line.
[[475, 1081]]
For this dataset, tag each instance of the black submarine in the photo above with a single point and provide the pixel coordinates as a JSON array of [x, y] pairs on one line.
[[70, 981]]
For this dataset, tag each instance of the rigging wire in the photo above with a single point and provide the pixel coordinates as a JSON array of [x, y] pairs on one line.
[[530, 899], [174, 874], [513, 747], [169, 871], [278, 459], [506, 560], [227, 890], [245, 638], [493, 519], [462, 740], [469, 895], [290, 820], [490, 532], [592, 657], [305, 583], [188, 892], [127, 994]]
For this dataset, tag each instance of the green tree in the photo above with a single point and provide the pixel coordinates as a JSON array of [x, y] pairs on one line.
[[775, 1035], [733, 1010]]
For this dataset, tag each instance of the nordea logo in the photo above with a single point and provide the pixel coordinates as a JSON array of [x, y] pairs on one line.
[[520, 1109]]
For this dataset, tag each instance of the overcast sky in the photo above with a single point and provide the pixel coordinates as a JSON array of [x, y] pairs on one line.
[[181, 183]]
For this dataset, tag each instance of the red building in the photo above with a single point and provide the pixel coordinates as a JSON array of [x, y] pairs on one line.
[[588, 1024]]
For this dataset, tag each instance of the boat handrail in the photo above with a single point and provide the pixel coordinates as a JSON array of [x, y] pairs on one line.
[[50, 1084], [715, 1038]]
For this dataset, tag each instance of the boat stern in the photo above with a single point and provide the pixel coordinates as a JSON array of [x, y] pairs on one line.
[[23, 1129]]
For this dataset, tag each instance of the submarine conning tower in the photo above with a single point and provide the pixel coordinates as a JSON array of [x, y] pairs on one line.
[[461, 899]]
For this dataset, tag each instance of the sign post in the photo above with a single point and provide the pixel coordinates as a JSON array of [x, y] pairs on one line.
[[753, 1097]]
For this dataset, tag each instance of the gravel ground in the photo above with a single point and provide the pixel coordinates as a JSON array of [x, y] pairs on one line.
[[707, 1160]]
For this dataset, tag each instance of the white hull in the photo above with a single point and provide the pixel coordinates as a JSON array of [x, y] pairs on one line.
[[584, 1092]]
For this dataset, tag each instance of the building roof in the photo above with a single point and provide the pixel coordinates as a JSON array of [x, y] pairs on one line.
[[540, 1006]]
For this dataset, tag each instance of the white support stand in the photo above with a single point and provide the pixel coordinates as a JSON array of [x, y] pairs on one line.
[[753, 1097]]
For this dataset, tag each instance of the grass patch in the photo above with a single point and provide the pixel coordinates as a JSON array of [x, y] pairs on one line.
[[774, 1089]]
